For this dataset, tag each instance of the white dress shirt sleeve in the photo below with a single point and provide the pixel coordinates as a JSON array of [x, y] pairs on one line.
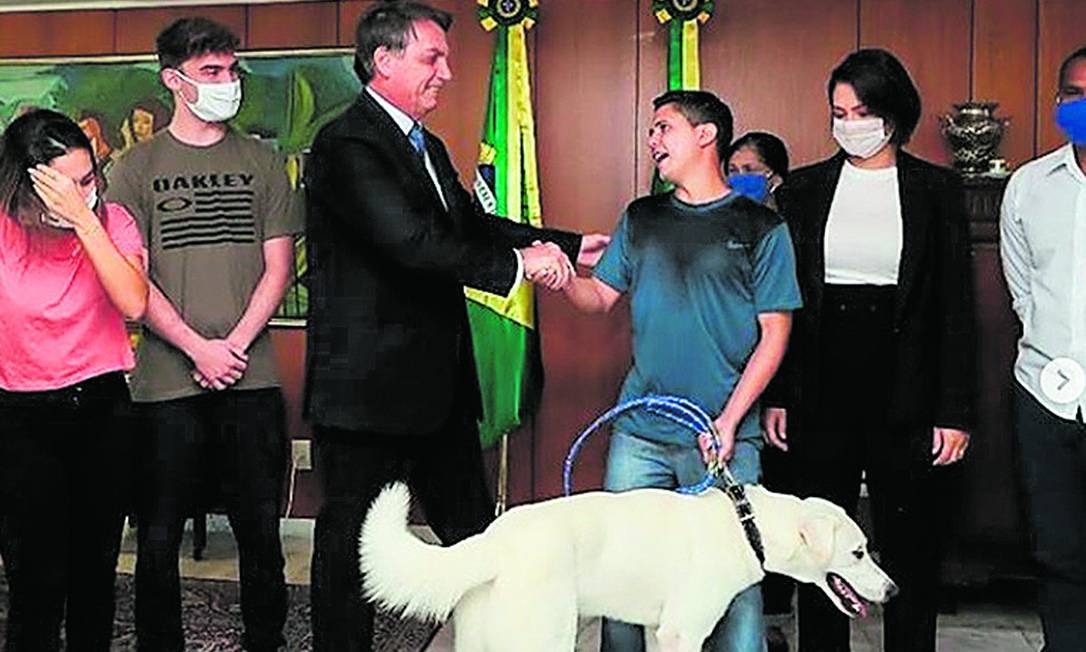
[[1014, 251], [520, 272]]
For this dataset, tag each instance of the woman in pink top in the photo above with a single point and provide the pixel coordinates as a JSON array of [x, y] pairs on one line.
[[71, 272]]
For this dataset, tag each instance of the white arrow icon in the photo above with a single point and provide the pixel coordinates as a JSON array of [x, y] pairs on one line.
[[1063, 380]]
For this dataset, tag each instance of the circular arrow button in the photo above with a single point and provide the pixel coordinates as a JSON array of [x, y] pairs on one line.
[[1063, 380]]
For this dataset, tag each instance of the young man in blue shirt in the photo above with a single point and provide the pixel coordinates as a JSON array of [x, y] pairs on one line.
[[711, 279]]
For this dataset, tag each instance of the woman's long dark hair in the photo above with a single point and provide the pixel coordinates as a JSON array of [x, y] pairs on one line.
[[36, 137]]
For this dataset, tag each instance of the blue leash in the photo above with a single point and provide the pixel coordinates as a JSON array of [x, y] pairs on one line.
[[676, 409]]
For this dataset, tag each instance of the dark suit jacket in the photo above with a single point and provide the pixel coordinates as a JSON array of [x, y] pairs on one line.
[[932, 383], [388, 345]]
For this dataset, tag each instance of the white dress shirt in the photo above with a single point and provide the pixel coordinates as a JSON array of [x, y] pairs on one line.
[[405, 123], [1043, 245]]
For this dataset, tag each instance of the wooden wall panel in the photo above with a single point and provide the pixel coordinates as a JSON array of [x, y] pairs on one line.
[[293, 25], [137, 28], [586, 358], [770, 62], [586, 68], [989, 478], [55, 33], [1061, 33], [459, 117], [349, 11], [1004, 47], [288, 346], [931, 37], [652, 39]]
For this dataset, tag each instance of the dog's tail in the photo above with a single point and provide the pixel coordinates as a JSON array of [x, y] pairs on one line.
[[403, 574]]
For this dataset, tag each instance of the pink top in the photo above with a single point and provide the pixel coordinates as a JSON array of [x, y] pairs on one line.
[[57, 325]]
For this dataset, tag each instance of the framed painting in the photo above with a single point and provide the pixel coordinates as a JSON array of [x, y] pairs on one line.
[[119, 101]]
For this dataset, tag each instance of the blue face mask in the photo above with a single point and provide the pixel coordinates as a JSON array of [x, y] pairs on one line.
[[754, 186], [1071, 118]]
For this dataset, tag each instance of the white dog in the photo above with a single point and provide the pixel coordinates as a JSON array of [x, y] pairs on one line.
[[651, 557]]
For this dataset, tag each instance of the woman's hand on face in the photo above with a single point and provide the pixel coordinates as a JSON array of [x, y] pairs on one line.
[[62, 197], [948, 445]]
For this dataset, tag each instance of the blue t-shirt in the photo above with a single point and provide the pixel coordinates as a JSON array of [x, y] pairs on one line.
[[697, 277]]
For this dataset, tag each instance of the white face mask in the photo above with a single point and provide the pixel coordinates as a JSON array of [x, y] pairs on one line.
[[58, 222], [92, 198], [863, 137], [214, 102]]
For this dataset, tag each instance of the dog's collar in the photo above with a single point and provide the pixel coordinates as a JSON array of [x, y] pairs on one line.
[[743, 508]]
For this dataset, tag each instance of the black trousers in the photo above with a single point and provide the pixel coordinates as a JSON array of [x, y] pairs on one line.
[[236, 439], [1052, 457], [778, 475], [64, 468], [848, 433], [445, 472]]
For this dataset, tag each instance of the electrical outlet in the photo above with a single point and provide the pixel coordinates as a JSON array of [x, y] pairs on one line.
[[302, 459]]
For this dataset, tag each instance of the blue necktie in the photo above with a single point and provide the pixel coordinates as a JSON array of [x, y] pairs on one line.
[[418, 141]]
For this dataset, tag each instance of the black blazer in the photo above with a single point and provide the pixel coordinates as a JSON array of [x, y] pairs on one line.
[[932, 382], [388, 344]]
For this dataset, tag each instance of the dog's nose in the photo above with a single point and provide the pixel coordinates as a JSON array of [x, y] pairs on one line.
[[891, 590]]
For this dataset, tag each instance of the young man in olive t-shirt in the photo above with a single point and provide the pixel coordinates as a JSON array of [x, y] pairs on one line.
[[218, 216]]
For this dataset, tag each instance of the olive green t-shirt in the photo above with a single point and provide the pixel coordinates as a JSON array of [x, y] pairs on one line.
[[205, 213]]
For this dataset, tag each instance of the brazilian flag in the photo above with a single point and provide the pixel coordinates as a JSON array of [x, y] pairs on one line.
[[683, 18], [507, 185]]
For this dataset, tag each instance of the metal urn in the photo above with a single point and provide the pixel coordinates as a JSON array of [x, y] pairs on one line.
[[974, 135]]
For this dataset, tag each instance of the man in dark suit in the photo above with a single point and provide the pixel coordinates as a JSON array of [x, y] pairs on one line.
[[393, 238]]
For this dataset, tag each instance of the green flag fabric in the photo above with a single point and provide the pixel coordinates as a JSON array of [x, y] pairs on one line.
[[506, 184]]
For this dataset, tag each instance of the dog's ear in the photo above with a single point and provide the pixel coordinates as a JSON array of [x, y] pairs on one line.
[[817, 534]]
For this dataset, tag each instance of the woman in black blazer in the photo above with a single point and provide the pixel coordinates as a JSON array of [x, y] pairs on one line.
[[879, 374]]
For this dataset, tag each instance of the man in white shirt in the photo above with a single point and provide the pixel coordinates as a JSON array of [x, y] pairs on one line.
[[1043, 243]]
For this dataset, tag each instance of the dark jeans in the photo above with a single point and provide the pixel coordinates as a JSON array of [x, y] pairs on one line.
[[64, 464], [238, 439], [847, 434], [445, 473], [1052, 454]]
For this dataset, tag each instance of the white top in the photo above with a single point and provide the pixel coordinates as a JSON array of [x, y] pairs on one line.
[[1043, 246], [863, 234], [405, 123]]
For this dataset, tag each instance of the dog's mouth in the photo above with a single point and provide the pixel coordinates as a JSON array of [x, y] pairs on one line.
[[854, 605]]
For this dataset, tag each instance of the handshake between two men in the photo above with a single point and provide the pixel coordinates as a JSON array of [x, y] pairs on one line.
[[546, 264]]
